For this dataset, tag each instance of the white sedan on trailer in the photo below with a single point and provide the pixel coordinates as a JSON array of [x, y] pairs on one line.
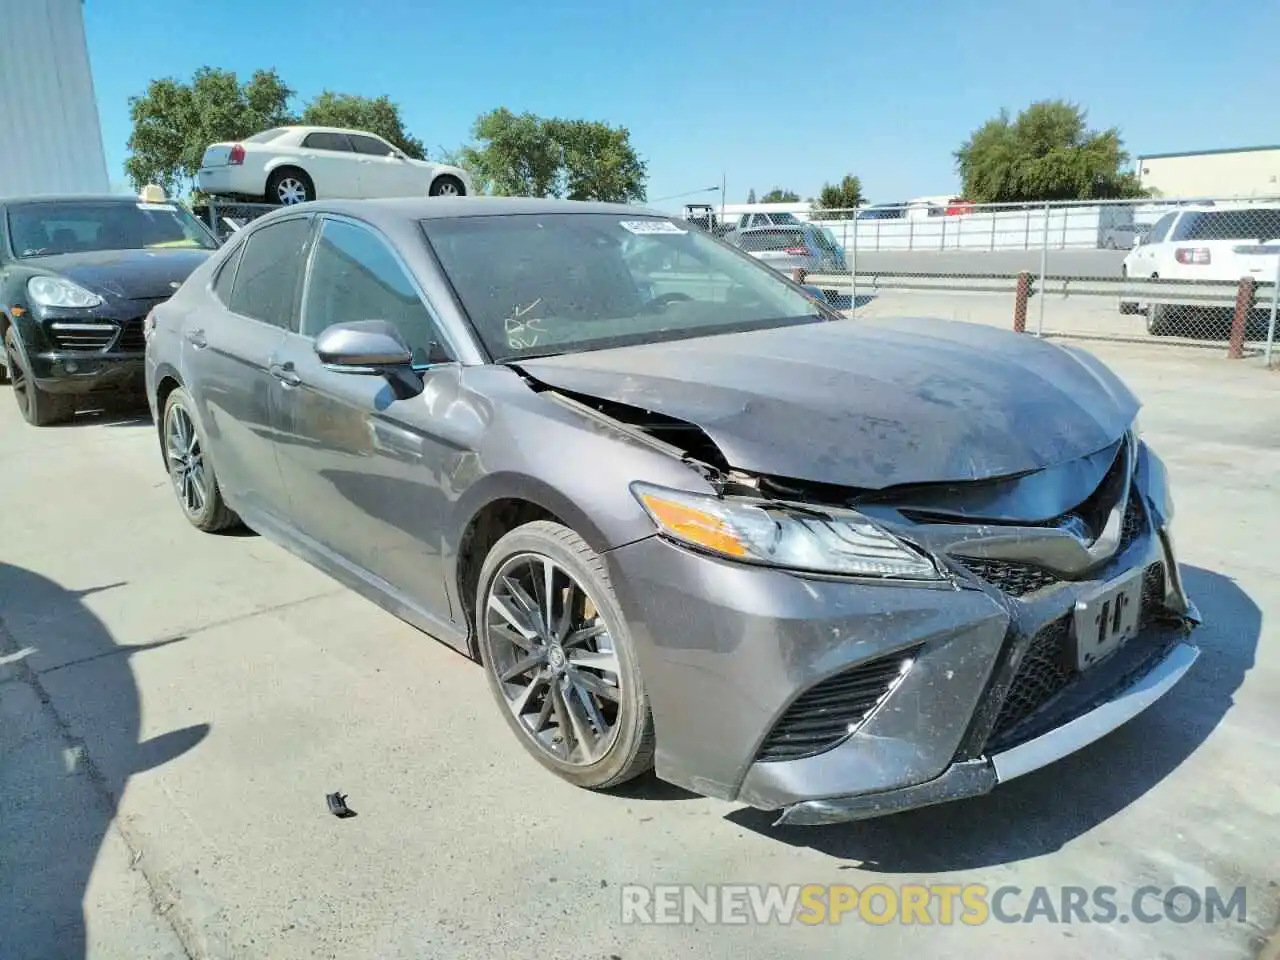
[[288, 165]]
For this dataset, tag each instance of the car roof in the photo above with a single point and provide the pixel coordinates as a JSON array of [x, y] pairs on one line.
[[72, 198], [432, 208], [299, 128]]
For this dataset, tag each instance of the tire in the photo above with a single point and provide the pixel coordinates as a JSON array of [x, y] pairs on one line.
[[1127, 307], [289, 182], [447, 186], [38, 407], [627, 750], [211, 514]]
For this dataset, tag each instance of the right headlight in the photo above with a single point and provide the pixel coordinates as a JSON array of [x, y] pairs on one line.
[[60, 292], [840, 542]]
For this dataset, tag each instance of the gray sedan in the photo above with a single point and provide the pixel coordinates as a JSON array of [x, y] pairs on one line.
[[687, 518]]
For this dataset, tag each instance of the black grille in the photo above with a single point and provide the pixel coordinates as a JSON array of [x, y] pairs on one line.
[[82, 336], [1152, 593], [1044, 671], [827, 713], [1015, 579], [1135, 521], [131, 337]]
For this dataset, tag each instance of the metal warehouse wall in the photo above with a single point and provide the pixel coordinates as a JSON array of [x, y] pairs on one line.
[[1227, 173], [49, 128]]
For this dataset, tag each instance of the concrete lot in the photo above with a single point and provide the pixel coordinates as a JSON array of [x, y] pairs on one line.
[[176, 706]]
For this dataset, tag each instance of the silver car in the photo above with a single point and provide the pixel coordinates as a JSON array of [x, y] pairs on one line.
[[804, 247], [687, 518]]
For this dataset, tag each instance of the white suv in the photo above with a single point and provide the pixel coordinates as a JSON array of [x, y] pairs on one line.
[[288, 165], [1203, 243]]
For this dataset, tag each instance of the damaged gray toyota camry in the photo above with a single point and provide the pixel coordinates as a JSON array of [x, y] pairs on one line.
[[687, 517]]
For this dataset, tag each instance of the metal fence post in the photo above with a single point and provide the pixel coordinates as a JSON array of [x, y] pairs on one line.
[[853, 265], [1044, 269], [1275, 300], [213, 215], [994, 216], [1240, 319]]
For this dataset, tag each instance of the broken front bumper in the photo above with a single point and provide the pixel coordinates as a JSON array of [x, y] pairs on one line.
[[730, 651]]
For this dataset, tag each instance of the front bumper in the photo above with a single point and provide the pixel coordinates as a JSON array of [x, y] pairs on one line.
[[78, 374], [726, 650]]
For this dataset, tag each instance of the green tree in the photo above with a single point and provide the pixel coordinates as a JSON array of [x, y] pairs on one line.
[[174, 121], [778, 195], [1047, 153], [374, 114], [842, 196], [751, 195], [525, 155]]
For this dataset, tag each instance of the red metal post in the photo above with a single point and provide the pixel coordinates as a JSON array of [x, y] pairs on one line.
[[1240, 319], [1020, 298]]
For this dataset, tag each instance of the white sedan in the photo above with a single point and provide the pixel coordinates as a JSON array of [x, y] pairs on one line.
[[288, 165]]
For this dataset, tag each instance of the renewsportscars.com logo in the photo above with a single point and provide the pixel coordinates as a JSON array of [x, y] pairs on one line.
[[972, 904]]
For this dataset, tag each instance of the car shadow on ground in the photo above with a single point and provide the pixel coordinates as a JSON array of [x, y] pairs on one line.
[[1041, 812], [61, 791]]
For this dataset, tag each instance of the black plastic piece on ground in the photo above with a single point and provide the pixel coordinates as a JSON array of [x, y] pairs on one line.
[[338, 805]]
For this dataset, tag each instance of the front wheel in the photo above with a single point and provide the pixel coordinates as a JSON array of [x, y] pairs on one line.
[[38, 407], [194, 482], [559, 658], [447, 186]]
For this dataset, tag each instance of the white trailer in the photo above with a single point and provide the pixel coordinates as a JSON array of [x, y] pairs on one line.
[[48, 111]]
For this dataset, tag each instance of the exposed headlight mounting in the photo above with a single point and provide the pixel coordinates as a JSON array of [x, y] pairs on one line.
[[60, 292], [840, 542]]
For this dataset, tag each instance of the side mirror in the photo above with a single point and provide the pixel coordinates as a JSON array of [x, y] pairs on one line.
[[363, 347]]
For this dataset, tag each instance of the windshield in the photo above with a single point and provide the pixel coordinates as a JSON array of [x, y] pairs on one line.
[[536, 284], [44, 229]]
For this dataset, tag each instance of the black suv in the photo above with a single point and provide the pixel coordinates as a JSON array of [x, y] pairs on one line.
[[78, 275]]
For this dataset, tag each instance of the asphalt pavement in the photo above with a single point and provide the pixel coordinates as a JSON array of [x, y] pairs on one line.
[[174, 707]]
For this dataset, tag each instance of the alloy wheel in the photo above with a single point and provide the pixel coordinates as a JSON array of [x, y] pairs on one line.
[[447, 189], [554, 659], [186, 461], [291, 190]]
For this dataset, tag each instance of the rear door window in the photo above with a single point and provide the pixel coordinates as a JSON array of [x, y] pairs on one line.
[[266, 281]]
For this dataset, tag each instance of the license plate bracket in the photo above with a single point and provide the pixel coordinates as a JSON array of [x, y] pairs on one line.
[[1107, 618]]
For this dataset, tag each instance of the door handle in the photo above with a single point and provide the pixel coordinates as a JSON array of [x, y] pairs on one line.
[[197, 339], [284, 372]]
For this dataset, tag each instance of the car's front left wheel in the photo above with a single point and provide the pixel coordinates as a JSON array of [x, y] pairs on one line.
[[40, 408], [559, 657], [194, 482]]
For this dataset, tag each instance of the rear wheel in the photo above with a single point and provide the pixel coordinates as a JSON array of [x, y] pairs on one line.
[[288, 186], [559, 658], [447, 186], [38, 407], [194, 482]]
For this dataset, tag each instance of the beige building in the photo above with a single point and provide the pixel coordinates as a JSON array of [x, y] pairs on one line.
[[1241, 172]]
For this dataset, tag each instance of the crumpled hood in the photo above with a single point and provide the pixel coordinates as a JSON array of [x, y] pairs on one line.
[[867, 404], [130, 274]]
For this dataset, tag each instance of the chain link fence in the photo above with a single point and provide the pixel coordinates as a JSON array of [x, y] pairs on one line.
[[226, 217], [1201, 271]]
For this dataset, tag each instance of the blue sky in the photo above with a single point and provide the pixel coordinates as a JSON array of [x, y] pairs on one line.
[[735, 88]]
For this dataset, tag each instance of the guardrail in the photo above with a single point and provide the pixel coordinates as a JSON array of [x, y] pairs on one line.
[[1242, 297]]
